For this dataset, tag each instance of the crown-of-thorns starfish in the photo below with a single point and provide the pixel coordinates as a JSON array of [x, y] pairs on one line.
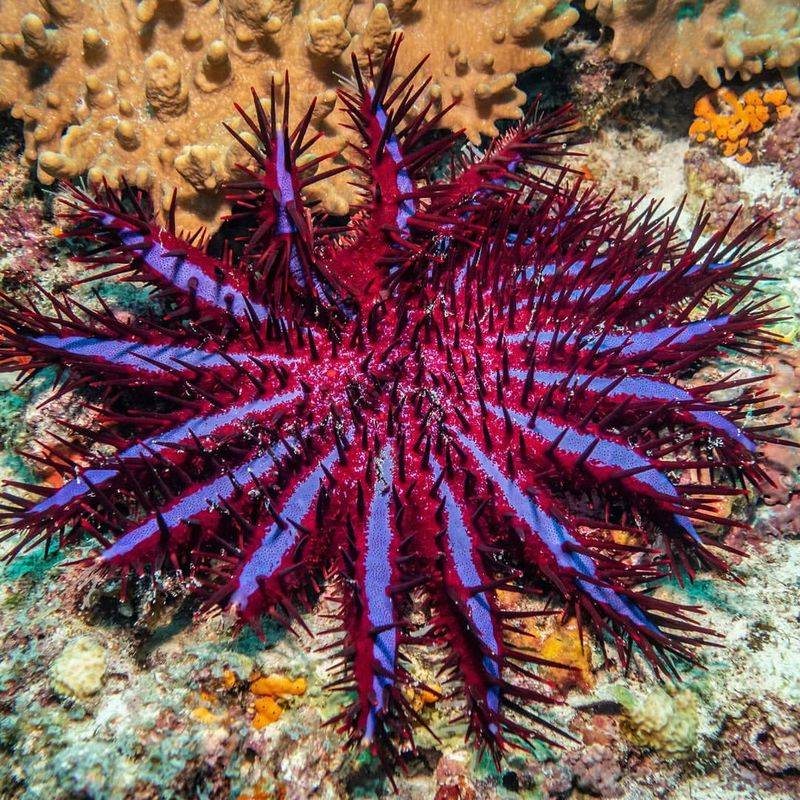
[[471, 386]]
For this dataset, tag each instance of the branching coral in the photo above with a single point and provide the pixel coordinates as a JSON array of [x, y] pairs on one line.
[[130, 90], [738, 119], [691, 38]]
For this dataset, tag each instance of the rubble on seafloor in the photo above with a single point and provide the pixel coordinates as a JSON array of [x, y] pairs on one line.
[[144, 699]]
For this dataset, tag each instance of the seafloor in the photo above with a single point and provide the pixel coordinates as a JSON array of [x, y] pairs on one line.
[[109, 700]]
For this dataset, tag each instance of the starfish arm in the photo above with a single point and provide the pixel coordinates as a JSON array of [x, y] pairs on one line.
[[608, 460], [638, 391], [468, 618], [198, 508], [168, 447], [555, 549], [260, 582], [135, 245]]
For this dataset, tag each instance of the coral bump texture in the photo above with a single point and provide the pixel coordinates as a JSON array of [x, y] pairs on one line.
[[138, 90], [477, 384]]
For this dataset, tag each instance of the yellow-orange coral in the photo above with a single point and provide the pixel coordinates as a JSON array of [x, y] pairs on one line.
[[206, 716], [266, 689], [731, 121], [419, 696], [119, 88], [691, 38], [267, 711], [564, 646], [229, 679], [555, 641]]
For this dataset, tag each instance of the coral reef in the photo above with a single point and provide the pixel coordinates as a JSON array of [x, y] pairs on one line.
[[139, 91], [564, 645], [731, 121], [705, 38], [402, 405]]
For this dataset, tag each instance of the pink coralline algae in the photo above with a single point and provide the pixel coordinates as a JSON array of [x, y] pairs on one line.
[[476, 384]]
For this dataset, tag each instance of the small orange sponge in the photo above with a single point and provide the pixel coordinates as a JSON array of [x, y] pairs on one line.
[[266, 689], [731, 121]]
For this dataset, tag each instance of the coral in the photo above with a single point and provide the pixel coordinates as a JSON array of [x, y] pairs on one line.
[[782, 464], [564, 645], [662, 721], [597, 771], [705, 37], [733, 127], [474, 386], [277, 686], [206, 716], [80, 669], [418, 698], [557, 641], [139, 91]]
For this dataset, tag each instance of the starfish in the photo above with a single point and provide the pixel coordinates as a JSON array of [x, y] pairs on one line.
[[477, 383]]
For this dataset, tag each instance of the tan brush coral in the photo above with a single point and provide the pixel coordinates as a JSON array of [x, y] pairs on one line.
[[706, 38], [119, 88]]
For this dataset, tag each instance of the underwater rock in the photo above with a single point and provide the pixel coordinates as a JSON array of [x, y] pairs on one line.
[[768, 740], [80, 669]]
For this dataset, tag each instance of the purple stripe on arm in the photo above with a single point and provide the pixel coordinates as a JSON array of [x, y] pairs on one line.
[[190, 271], [553, 535], [285, 187], [641, 388], [552, 269], [633, 344], [285, 226], [204, 426], [378, 578], [71, 490], [192, 504], [605, 455], [630, 344], [631, 289], [134, 355], [268, 557], [461, 555]]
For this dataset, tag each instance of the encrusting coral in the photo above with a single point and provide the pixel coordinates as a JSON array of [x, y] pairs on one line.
[[140, 90], [732, 121], [665, 720], [80, 669], [691, 38]]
